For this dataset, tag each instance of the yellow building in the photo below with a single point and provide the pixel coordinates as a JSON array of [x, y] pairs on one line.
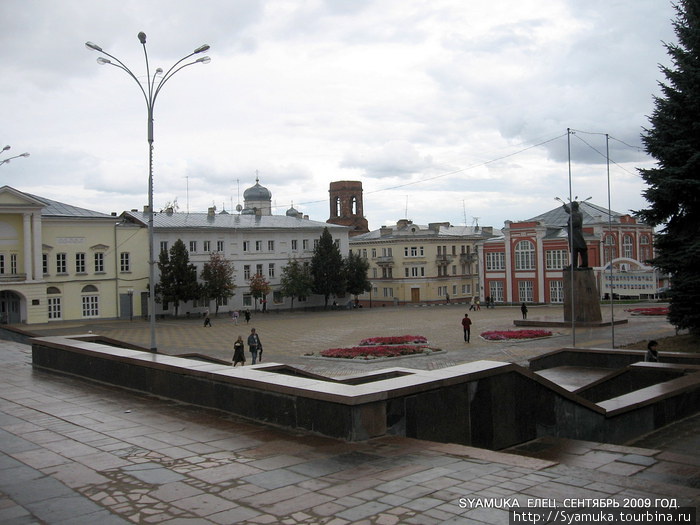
[[61, 262], [410, 263]]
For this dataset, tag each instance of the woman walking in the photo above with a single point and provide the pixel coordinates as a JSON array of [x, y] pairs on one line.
[[239, 352]]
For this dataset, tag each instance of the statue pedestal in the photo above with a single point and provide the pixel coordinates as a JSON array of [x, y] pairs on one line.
[[584, 296]]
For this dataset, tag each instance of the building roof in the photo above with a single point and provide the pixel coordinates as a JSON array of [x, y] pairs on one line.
[[407, 229], [229, 221], [592, 214], [61, 209]]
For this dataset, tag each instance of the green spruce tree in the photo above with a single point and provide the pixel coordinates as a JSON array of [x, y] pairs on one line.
[[327, 268], [673, 190], [356, 274], [178, 278]]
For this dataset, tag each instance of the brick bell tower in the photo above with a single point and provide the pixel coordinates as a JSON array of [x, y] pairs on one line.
[[346, 206]]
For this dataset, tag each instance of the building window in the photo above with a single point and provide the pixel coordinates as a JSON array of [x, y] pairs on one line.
[[610, 251], [374, 273], [525, 291], [258, 269], [496, 291], [374, 253], [305, 244], [220, 246], [44, 264], [627, 246], [124, 262], [246, 272], [54, 303], [2, 263], [207, 246], [387, 273], [388, 292], [556, 291], [163, 246], [193, 246], [13, 263], [271, 270], [556, 259], [246, 246], [413, 251], [524, 256], [466, 289], [386, 252], [295, 243], [270, 246], [364, 253], [316, 241], [644, 248], [247, 300], [90, 301], [258, 246], [79, 263], [496, 261], [277, 297], [99, 262], [61, 263]]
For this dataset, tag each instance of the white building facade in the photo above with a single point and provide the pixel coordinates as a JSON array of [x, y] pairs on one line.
[[254, 241]]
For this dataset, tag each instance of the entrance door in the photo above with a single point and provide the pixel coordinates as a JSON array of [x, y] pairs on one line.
[[415, 295], [9, 308]]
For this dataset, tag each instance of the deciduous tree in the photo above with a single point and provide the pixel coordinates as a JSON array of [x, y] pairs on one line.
[[295, 281], [217, 277]]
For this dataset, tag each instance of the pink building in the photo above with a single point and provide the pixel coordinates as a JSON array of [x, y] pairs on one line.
[[525, 264]]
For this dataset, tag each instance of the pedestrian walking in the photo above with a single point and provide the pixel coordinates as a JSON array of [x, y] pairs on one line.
[[255, 346], [471, 304], [234, 317], [246, 314], [239, 352], [523, 309], [478, 304], [207, 321], [466, 325]]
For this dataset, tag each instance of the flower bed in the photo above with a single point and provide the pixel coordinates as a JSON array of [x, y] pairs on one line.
[[505, 335], [368, 352], [655, 310], [394, 340]]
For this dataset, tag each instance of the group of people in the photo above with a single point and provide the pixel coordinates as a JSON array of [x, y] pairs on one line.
[[255, 348]]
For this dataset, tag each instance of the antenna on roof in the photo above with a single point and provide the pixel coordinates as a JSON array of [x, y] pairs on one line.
[[475, 223], [464, 212]]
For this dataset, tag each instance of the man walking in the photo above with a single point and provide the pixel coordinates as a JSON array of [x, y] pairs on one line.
[[466, 325], [254, 345]]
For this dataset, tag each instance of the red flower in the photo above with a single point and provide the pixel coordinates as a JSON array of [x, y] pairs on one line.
[[504, 335], [656, 310], [394, 340], [374, 351]]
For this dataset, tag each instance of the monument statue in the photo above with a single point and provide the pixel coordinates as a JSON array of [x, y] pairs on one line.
[[577, 244]]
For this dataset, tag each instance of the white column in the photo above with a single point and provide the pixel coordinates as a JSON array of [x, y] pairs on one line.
[[36, 230], [27, 240]]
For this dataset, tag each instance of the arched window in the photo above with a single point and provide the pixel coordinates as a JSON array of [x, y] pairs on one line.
[[353, 206], [90, 301], [54, 303], [627, 246], [524, 256], [644, 249], [336, 207]]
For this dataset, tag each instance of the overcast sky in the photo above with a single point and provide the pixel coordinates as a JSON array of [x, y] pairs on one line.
[[446, 110]]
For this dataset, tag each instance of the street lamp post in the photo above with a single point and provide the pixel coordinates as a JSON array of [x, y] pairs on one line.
[[150, 93], [7, 160]]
